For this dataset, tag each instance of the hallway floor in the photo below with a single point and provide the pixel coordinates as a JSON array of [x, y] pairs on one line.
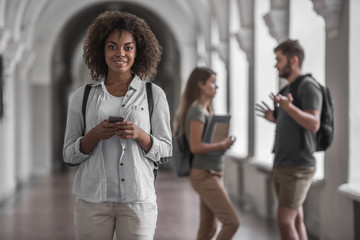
[[43, 210]]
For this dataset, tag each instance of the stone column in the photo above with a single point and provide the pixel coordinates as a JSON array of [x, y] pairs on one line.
[[245, 38]]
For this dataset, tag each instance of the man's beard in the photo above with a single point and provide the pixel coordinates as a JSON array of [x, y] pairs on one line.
[[286, 72]]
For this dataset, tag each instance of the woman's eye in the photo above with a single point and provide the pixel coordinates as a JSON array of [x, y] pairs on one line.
[[112, 47], [128, 48]]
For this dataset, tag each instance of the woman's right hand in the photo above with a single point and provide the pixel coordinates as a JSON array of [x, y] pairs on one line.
[[105, 129]]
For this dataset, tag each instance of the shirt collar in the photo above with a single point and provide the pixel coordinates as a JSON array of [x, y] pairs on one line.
[[134, 84]]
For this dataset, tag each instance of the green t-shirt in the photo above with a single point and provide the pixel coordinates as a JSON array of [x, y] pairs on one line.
[[293, 147], [202, 161]]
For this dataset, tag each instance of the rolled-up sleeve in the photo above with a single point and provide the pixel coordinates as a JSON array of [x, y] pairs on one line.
[[161, 150], [74, 130]]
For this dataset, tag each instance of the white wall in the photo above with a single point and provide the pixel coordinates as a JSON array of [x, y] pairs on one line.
[[266, 81], [354, 86], [7, 141], [336, 216]]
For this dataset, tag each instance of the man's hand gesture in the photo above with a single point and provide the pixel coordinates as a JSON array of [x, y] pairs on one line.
[[263, 110]]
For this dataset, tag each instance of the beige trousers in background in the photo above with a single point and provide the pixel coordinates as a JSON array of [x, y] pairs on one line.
[[215, 205]]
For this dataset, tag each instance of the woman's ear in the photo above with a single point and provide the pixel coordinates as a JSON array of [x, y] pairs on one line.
[[200, 85]]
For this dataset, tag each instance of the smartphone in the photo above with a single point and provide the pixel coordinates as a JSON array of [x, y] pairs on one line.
[[113, 119]]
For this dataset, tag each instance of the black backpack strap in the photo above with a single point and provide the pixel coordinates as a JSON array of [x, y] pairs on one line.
[[275, 112], [85, 98], [294, 89], [297, 102], [83, 110], [150, 99]]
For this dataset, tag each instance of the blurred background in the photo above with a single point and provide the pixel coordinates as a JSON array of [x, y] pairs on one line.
[[41, 64]]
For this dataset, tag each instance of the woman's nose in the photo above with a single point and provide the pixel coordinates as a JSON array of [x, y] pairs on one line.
[[120, 53]]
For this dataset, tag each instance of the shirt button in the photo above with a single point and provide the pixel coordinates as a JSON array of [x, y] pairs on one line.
[[142, 108], [124, 149], [123, 180], [121, 164], [123, 105]]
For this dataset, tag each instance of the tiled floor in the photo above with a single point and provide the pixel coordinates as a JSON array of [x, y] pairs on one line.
[[44, 211]]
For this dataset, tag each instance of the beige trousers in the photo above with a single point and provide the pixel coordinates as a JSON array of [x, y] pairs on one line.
[[215, 205], [131, 221]]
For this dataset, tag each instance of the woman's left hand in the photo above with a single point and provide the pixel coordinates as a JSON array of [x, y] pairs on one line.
[[128, 130]]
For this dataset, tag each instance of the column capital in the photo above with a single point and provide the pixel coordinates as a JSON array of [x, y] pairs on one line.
[[13, 54], [330, 10], [5, 35], [277, 20], [245, 38], [222, 48]]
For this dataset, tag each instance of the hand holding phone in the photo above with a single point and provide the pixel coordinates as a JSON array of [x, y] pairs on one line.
[[113, 119]]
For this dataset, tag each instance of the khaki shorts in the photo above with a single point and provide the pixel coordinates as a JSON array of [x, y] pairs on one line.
[[292, 184]]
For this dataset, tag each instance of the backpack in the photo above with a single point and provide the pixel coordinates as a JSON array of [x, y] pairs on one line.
[[325, 134], [182, 156]]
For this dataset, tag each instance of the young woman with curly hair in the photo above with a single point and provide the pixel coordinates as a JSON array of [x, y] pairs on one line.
[[114, 182]]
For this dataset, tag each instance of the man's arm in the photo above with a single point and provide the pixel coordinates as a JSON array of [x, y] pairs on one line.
[[308, 119]]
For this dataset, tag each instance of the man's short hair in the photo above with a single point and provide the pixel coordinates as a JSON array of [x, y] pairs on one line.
[[291, 48]]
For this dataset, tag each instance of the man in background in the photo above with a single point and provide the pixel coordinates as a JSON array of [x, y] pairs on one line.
[[295, 140]]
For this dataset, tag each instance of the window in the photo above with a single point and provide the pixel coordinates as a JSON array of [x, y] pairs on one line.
[[1, 87], [266, 81], [239, 75], [219, 67], [310, 31]]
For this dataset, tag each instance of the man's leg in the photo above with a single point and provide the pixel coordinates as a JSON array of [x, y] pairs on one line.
[[300, 225], [286, 223], [291, 187], [291, 223]]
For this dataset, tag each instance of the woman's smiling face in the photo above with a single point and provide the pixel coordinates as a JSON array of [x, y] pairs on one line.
[[120, 51]]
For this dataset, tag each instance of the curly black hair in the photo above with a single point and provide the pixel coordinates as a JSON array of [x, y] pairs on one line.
[[148, 49]]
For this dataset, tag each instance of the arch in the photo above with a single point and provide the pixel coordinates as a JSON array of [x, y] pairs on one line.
[[67, 54]]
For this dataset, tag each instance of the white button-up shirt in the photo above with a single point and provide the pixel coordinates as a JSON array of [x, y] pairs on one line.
[[136, 166]]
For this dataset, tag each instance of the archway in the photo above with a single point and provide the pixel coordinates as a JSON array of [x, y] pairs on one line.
[[64, 55]]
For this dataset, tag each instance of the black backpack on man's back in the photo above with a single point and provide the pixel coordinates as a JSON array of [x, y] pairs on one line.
[[325, 134]]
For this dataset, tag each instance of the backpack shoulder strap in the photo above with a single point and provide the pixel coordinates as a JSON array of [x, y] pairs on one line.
[[85, 98], [294, 89], [150, 99], [83, 110]]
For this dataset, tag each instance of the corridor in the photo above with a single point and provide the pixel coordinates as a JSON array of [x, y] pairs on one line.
[[43, 210]]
